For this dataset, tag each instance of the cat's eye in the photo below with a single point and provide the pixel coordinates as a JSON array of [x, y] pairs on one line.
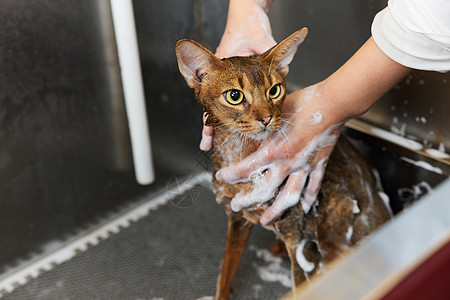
[[275, 91], [234, 97]]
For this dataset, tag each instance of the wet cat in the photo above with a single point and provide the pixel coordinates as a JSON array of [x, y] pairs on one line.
[[243, 98]]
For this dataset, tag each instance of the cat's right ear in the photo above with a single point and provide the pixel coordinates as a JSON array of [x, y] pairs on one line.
[[194, 61]]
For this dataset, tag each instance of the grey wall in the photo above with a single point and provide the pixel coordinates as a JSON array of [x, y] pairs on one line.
[[64, 158], [65, 154], [175, 117]]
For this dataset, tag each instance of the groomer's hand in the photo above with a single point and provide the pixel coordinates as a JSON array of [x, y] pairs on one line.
[[247, 33], [314, 118], [302, 149]]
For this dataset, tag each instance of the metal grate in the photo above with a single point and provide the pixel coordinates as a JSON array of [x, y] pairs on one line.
[[173, 253]]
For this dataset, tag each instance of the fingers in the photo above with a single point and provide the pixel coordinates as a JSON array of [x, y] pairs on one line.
[[288, 197], [207, 135], [315, 180], [263, 190], [255, 163]]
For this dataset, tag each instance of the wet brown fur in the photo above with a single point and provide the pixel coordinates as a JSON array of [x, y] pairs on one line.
[[348, 177]]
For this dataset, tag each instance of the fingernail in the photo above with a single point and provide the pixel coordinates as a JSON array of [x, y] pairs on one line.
[[219, 175], [264, 220], [234, 207], [306, 206]]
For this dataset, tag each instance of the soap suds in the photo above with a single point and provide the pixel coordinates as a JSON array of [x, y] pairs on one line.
[[408, 195], [400, 131], [349, 234], [356, 209], [274, 271], [257, 288], [386, 201], [437, 153], [421, 119], [396, 139], [306, 265], [310, 92], [316, 118], [422, 164]]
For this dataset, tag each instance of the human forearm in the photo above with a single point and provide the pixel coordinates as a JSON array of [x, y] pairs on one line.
[[247, 31], [244, 4], [360, 82]]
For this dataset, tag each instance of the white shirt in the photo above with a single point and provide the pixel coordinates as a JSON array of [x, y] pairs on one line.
[[415, 33]]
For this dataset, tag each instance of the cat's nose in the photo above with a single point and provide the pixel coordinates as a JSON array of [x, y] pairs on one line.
[[265, 119]]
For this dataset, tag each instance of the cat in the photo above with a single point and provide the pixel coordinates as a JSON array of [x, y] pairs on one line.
[[241, 93]]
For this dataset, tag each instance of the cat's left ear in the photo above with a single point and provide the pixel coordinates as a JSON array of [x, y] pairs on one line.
[[194, 61], [281, 55]]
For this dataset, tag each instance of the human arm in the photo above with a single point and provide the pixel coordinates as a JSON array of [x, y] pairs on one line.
[[247, 32], [316, 115]]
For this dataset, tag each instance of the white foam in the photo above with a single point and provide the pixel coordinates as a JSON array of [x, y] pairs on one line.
[[306, 265], [349, 233], [316, 118], [437, 153], [309, 93], [356, 209], [423, 165], [396, 139], [274, 271], [386, 201], [257, 288], [399, 131], [414, 192], [264, 188]]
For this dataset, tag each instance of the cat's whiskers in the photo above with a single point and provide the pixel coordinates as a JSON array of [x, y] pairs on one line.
[[230, 137], [226, 124], [243, 144], [236, 142], [285, 140], [240, 140], [286, 122]]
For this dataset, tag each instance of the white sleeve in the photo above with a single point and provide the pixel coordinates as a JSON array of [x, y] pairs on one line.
[[415, 33]]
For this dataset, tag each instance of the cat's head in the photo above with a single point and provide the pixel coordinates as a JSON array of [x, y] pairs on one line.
[[245, 93]]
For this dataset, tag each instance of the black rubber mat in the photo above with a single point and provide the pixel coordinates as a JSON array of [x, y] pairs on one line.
[[173, 253]]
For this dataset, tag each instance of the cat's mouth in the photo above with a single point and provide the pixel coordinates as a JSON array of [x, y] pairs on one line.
[[259, 132], [262, 134]]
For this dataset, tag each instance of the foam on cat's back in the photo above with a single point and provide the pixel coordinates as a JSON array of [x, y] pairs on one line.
[[306, 265], [356, 209], [349, 234]]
